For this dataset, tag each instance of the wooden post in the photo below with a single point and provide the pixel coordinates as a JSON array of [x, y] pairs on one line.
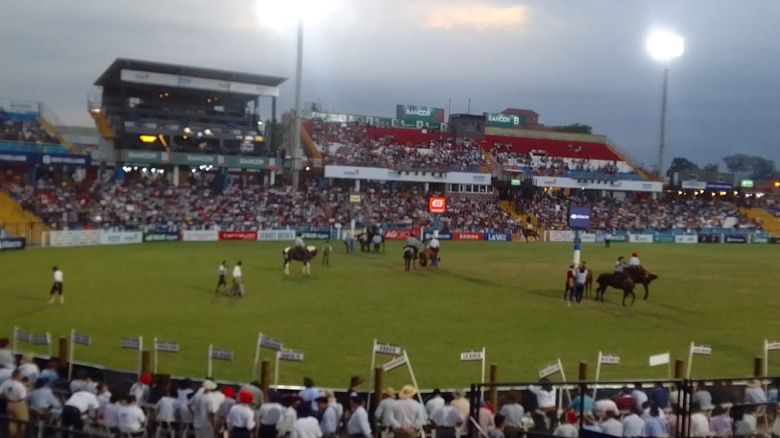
[[379, 386], [493, 392], [679, 369], [265, 375], [583, 371], [146, 362], [62, 358], [758, 367]]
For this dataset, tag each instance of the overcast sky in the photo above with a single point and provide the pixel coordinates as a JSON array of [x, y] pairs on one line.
[[571, 61]]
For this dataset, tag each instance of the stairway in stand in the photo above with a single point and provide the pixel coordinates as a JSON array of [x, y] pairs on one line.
[[19, 222], [770, 223]]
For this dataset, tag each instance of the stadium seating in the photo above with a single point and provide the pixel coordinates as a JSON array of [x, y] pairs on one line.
[[22, 132]]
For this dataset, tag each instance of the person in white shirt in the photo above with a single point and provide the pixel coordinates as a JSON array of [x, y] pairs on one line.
[[633, 424], [110, 419], [602, 406], [132, 419], [82, 403], [446, 419], [14, 392], [358, 426], [611, 425], [140, 389], [700, 426], [407, 415], [286, 423], [82, 382], [43, 401], [28, 368], [545, 395], [221, 283], [241, 418], [165, 409], [203, 411], [268, 415], [56, 285], [634, 260], [566, 428], [639, 396], [306, 427], [329, 419], [238, 280], [433, 403]]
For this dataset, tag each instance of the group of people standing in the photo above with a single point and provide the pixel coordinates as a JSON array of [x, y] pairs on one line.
[[579, 278]]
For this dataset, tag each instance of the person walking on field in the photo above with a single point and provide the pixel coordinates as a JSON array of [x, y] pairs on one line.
[[221, 283], [238, 281], [56, 285]]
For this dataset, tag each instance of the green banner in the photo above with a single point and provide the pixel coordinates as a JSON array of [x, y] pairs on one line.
[[499, 120], [760, 239], [663, 238], [410, 115], [161, 236], [188, 159]]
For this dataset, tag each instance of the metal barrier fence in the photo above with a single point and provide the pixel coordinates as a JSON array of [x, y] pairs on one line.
[[37, 427], [728, 397]]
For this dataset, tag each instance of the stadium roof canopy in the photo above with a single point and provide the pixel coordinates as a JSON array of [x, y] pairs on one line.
[[160, 74]]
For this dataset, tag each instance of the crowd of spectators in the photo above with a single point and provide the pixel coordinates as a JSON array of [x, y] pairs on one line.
[[36, 392], [349, 144], [669, 213], [545, 165], [28, 131], [155, 204]]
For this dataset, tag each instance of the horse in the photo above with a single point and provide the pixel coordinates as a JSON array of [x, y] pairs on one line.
[[641, 276], [428, 256], [530, 232], [297, 253], [409, 258], [622, 282]]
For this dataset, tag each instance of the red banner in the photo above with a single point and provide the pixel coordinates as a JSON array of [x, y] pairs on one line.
[[468, 236], [398, 234], [238, 235]]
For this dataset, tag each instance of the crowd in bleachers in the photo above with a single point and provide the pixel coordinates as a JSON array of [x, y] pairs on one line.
[[155, 204], [669, 213], [39, 393], [28, 131], [545, 165], [349, 144]]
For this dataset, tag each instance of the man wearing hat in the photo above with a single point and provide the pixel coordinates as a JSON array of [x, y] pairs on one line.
[[754, 393], [203, 410], [634, 260], [329, 420], [384, 410], [358, 426], [224, 408], [140, 389], [407, 414], [241, 418]]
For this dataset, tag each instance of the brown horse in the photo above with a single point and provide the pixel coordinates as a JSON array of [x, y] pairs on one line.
[[642, 276], [530, 232], [409, 258], [427, 256], [618, 281]]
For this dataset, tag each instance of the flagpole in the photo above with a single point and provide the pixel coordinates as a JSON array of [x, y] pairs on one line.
[[140, 355], [598, 373], [71, 347], [371, 376], [690, 361], [257, 356], [154, 347], [209, 367]]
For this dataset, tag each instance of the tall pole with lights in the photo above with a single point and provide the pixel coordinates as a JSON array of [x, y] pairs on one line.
[[297, 151], [664, 47]]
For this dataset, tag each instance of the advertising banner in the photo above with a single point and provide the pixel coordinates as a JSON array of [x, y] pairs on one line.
[[588, 237], [498, 237], [315, 235], [276, 235], [760, 239], [664, 238], [709, 238], [467, 235], [561, 235], [199, 235], [187, 159], [120, 237], [410, 115], [385, 174], [441, 236], [499, 120], [597, 184], [398, 234], [736, 238], [640, 238], [238, 235], [74, 238], [161, 236], [45, 159], [11, 243], [686, 238]]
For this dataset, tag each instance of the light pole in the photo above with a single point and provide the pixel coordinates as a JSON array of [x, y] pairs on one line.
[[664, 47], [297, 152]]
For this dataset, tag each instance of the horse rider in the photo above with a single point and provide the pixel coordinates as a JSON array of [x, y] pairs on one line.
[[414, 243], [434, 245], [634, 261], [299, 244], [620, 264]]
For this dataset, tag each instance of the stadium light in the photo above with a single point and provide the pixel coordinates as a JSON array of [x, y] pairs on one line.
[[664, 46], [148, 138]]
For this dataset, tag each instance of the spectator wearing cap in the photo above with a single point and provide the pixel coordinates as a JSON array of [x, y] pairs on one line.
[[486, 414], [257, 393], [639, 396], [140, 389], [329, 419], [28, 368], [357, 426], [384, 410], [446, 419], [566, 427], [407, 419], [754, 393], [241, 418], [286, 423], [203, 410], [269, 414], [81, 404], [14, 392], [132, 420], [634, 260], [224, 408], [309, 396]]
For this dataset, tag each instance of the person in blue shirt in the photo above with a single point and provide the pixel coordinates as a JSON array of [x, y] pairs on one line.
[[659, 396], [585, 400], [654, 427], [309, 395]]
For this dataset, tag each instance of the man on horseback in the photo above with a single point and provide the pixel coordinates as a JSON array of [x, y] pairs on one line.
[[412, 242], [434, 245], [299, 242], [634, 261]]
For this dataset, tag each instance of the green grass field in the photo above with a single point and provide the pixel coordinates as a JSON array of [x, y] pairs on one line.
[[506, 297]]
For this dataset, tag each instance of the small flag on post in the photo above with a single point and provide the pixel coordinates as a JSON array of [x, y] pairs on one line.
[[82, 339], [22, 335], [549, 370], [270, 343], [610, 359], [474, 355], [291, 355], [394, 363], [390, 349], [131, 343], [659, 359], [701, 349], [226, 355], [41, 339], [166, 346], [773, 345]]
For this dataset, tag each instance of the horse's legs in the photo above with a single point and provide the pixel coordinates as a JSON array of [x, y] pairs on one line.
[[286, 268], [647, 290]]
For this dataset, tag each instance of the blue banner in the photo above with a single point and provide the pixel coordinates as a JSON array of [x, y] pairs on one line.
[[315, 235], [442, 236], [12, 243], [736, 238], [498, 237]]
